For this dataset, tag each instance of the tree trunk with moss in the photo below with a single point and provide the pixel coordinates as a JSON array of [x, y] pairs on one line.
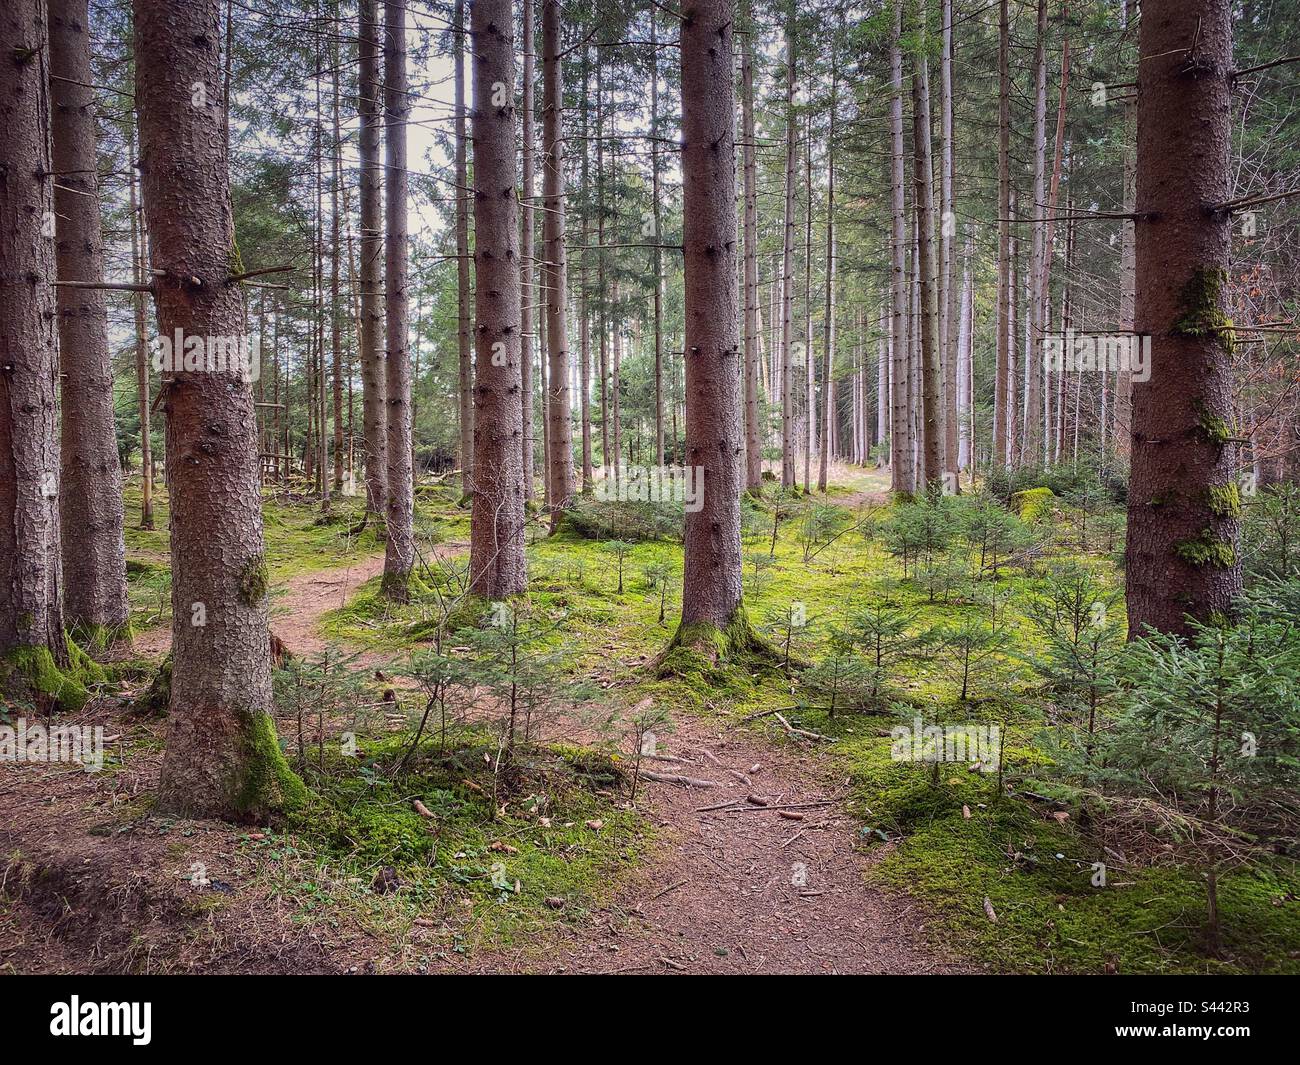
[[497, 566], [33, 650], [1183, 503], [222, 757], [90, 492], [399, 551], [712, 615]]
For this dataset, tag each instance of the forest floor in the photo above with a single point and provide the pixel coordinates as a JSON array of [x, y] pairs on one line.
[[872, 866]]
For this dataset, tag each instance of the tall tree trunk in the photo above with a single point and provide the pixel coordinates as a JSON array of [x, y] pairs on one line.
[[528, 295], [464, 347], [948, 309], [932, 428], [1127, 276], [222, 758], [497, 566], [753, 431], [965, 345], [1032, 451], [1183, 525], [399, 552], [1002, 371], [602, 294], [584, 322], [373, 374], [658, 263], [712, 614], [787, 267], [809, 356], [336, 251], [140, 271], [556, 273], [32, 641], [828, 355], [900, 463], [90, 491]]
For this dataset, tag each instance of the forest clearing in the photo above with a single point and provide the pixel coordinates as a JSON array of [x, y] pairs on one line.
[[725, 488]]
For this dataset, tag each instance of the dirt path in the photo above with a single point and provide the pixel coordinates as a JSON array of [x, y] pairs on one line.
[[743, 889], [298, 605]]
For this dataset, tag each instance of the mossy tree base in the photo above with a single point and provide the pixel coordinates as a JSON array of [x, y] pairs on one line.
[[31, 672], [699, 647]]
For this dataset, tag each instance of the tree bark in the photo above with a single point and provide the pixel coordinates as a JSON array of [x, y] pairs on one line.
[[1002, 371], [373, 374], [948, 309], [528, 295], [556, 273], [31, 608], [584, 320], [711, 596], [139, 267], [901, 467], [1183, 502], [1032, 449], [828, 355], [787, 267], [90, 493], [932, 428], [399, 552], [497, 566], [753, 432], [464, 347], [222, 758]]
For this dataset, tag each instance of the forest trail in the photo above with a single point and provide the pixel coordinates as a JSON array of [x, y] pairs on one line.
[[743, 889], [298, 605]]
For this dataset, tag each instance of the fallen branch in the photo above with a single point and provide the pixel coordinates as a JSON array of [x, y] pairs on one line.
[[672, 778]]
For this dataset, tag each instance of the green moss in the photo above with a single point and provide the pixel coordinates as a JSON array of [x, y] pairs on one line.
[[35, 672], [1202, 314], [254, 581], [1033, 504], [1211, 427], [1225, 500], [266, 785], [1207, 549], [698, 649]]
